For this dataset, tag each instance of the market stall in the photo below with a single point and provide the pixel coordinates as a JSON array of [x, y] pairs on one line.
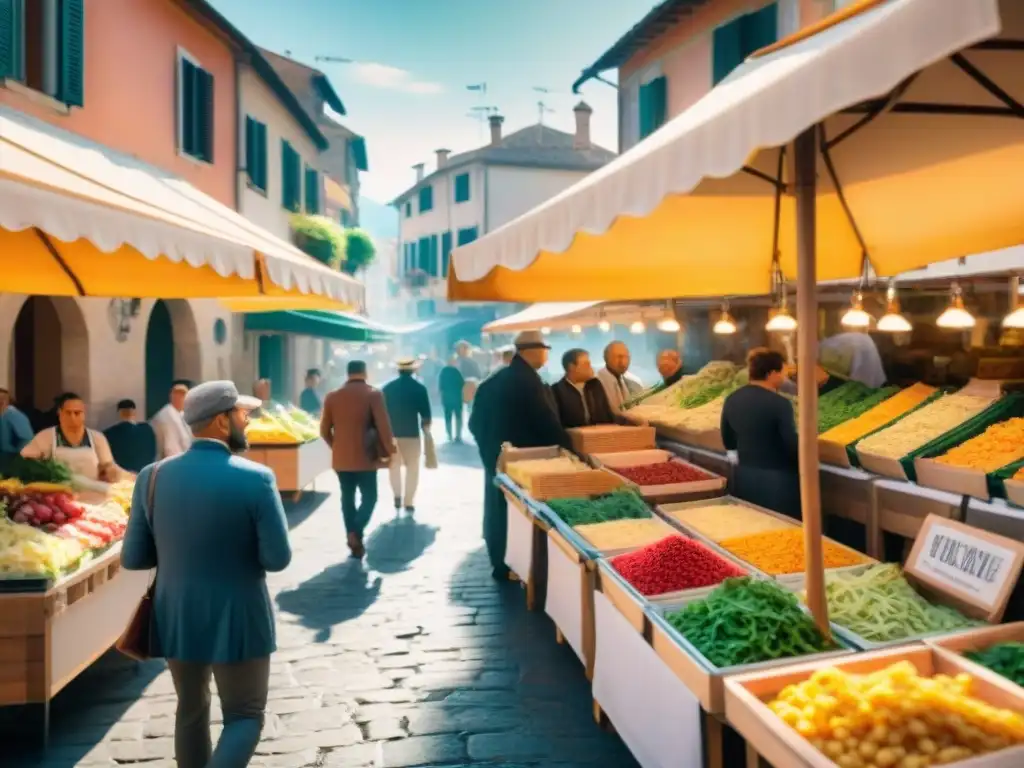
[[287, 440], [64, 599]]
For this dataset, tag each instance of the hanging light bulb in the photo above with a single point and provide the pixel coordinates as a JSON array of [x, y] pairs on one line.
[[604, 326], [892, 321], [725, 325], [1016, 317], [577, 329], [855, 316], [668, 323], [638, 327], [781, 321], [956, 316], [546, 331]]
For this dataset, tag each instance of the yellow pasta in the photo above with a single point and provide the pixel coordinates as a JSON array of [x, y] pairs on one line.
[[623, 534], [725, 521]]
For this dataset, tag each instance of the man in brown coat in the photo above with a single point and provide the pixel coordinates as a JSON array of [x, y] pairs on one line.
[[355, 424]]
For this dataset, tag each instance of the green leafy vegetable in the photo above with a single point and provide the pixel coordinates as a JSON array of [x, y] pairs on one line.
[[38, 470], [622, 504], [1006, 659]]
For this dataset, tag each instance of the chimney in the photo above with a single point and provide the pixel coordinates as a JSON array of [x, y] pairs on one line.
[[582, 138], [495, 121], [419, 172], [442, 157]]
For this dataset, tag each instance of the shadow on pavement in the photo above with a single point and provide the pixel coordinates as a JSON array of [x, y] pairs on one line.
[[458, 455], [394, 545], [299, 511], [337, 594]]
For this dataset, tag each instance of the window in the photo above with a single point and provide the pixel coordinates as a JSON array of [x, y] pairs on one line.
[[408, 209], [312, 191], [446, 252], [412, 256], [466, 236], [256, 153], [462, 188], [423, 250], [42, 47], [426, 199], [732, 43], [346, 218], [291, 178], [195, 109], [653, 105]]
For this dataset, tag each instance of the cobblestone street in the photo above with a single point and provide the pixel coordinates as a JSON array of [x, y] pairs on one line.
[[415, 658]]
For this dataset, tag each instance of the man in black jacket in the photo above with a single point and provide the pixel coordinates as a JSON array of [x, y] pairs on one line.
[[512, 406], [579, 397]]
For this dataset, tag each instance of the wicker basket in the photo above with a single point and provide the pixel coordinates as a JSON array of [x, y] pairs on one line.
[[612, 438]]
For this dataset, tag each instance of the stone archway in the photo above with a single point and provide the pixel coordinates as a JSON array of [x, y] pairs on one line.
[[172, 350], [49, 353]]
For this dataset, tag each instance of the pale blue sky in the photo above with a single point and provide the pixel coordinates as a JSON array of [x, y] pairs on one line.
[[407, 92]]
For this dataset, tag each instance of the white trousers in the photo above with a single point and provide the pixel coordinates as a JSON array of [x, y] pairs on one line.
[[409, 452]]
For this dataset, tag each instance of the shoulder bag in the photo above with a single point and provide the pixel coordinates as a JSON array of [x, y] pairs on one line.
[[137, 640]]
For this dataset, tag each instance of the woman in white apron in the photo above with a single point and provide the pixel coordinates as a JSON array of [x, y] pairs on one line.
[[89, 458]]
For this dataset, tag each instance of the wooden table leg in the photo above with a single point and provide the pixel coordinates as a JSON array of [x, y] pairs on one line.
[[531, 595], [753, 759], [712, 741]]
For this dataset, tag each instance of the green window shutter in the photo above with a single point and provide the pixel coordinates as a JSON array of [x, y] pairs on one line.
[[289, 182], [434, 257], [250, 151], [446, 252], [12, 31], [726, 50], [658, 94], [759, 29], [646, 111], [412, 256], [462, 188], [426, 199], [312, 191], [71, 28], [261, 155], [186, 74], [424, 253], [204, 114], [466, 236], [408, 209]]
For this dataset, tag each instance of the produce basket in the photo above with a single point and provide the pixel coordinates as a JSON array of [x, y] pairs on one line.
[[775, 741], [664, 492], [977, 640], [701, 676], [611, 438], [583, 482]]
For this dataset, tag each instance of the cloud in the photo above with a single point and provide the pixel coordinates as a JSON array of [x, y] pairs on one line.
[[392, 78]]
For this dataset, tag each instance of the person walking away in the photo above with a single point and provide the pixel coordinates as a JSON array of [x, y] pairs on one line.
[[15, 429], [468, 367], [215, 528], [355, 424], [172, 434], [132, 444], [512, 405], [670, 367], [758, 423], [86, 452], [451, 384], [408, 404], [619, 384], [309, 399], [579, 397]]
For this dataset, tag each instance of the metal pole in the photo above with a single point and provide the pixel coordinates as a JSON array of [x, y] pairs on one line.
[[805, 162]]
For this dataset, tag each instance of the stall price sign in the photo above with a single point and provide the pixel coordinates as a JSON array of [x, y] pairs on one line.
[[976, 569]]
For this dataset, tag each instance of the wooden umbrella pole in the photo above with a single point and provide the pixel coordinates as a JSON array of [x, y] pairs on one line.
[[805, 173]]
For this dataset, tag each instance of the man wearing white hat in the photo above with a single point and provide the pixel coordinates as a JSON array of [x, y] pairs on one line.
[[408, 404]]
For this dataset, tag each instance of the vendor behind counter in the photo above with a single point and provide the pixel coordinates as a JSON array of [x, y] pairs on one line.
[[85, 451]]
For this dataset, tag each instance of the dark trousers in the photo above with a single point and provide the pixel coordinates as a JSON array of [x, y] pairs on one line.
[[242, 689], [357, 515], [453, 419], [495, 521]]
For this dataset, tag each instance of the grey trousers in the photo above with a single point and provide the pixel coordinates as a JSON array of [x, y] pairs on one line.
[[242, 689]]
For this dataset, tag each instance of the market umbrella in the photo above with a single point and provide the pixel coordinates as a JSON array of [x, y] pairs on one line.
[[875, 135], [80, 219]]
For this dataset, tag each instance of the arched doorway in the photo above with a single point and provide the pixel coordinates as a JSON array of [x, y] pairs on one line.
[[50, 355], [172, 350]]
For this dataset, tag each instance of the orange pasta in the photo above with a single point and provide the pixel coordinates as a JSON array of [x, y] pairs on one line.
[[782, 552]]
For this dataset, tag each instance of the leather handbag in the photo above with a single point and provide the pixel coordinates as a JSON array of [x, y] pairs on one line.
[[136, 642]]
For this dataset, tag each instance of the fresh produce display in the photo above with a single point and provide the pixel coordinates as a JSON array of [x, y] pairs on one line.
[[30, 552], [38, 470], [880, 605], [997, 446], [675, 563], [523, 472], [727, 521], [746, 621], [686, 393], [1006, 659], [281, 426], [40, 505], [782, 552], [663, 473], [924, 425], [848, 401], [729, 382], [895, 718], [621, 504], [877, 417], [622, 534], [121, 493]]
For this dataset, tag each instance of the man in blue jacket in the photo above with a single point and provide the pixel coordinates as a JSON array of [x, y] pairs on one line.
[[214, 529]]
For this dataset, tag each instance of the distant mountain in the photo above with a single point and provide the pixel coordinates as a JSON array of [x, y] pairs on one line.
[[381, 221]]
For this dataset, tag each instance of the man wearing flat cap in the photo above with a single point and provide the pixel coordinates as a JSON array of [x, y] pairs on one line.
[[512, 406], [408, 405], [172, 434], [215, 523]]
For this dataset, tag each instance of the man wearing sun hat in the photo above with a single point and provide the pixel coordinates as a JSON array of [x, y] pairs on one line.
[[512, 406], [172, 434], [408, 404]]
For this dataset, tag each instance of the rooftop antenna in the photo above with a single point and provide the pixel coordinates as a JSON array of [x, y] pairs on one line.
[[542, 109], [334, 59], [480, 114], [481, 110]]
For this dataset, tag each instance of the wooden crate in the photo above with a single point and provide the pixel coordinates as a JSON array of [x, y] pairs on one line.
[[559, 485], [747, 711], [612, 438], [294, 466], [569, 599], [977, 640], [712, 486], [526, 549]]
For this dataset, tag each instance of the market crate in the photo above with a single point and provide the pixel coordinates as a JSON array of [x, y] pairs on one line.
[[700, 675], [570, 596], [746, 708], [295, 466], [560, 485], [1015, 492], [714, 484], [846, 493], [525, 548], [611, 438], [977, 640], [708, 439]]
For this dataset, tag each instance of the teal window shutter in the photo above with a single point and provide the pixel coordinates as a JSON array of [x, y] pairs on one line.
[[646, 111], [256, 153], [462, 188], [71, 28], [261, 156], [434, 257], [426, 199], [424, 252], [759, 29], [653, 105], [12, 36], [726, 50], [408, 209], [312, 191], [291, 182], [204, 112], [446, 252], [187, 85], [466, 236]]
